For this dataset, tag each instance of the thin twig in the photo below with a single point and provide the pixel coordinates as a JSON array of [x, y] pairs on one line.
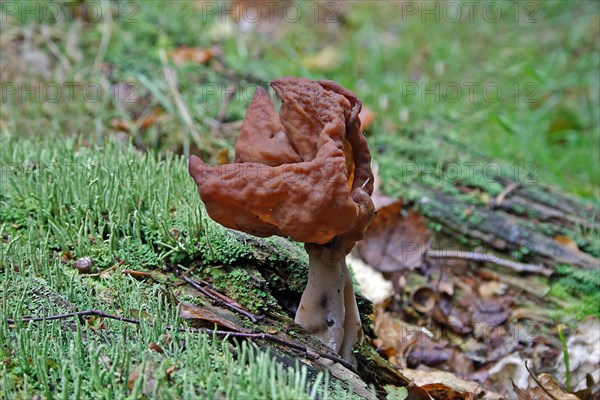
[[136, 274], [106, 271], [538, 382], [498, 200], [264, 336], [481, 257], [204, 291], [78, 314]]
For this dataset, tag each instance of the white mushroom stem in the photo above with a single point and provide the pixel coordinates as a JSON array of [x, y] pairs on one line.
[[328, 306]]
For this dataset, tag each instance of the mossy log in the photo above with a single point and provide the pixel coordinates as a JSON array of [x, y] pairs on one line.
[[533, 223], [277, 271]]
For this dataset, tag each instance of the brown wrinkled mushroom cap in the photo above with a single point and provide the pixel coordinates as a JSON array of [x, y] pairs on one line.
[[304, 173]]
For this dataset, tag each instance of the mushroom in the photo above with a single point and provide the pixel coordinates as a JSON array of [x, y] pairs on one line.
[[306, 174]]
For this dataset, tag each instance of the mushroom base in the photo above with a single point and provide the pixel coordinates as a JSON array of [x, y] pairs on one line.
[[328, 306]]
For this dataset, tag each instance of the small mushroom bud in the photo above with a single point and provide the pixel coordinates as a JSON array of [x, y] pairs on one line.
[[83, 265]]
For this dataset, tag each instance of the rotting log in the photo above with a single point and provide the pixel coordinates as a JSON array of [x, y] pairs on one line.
[[282, 279], [529, 218]]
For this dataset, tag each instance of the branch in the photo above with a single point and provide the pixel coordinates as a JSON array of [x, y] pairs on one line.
[[538, 382], [498, 200], [217, 300], [312, 353], [481, 257]]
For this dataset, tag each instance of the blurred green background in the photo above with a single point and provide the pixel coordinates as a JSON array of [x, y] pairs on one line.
[[517, 82]]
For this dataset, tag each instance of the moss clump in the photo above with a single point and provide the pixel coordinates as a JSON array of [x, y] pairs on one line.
[[219, 246], [139, 254], [580, 289], [286, 251], [244, 285]]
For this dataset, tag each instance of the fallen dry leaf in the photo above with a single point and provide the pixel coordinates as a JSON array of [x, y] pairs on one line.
[[491, 312], [203, 316], [492, 288], [185, 54], [143, 123], [149, 380], [394, 336], [441, 385], [155, 347], [428, 352], [511, 369], [441, 391], [371, 282], [395, 241], [567, 242], [548, 390], [549, 383]]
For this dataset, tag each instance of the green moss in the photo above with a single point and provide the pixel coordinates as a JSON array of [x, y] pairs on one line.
[[141, 255], [101, 254], [366, 311], [244, 285], [219, 246], [579, 289], [286, 251]]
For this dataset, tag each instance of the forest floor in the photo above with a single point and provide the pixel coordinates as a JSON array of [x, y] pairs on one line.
[[97, 211]]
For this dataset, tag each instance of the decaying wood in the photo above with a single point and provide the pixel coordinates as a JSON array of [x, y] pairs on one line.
[[504, 231], [373, 372], [480, 257]]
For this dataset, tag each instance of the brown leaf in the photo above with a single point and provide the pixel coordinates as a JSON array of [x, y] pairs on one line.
[[395, 241], [492, 288], [149, 380], [197, 314], [120, 125], [536, 393], [566, 241], [444, 385], [144, 122], [66, 257], [457, 319], [185, 54], [441, 391], [394, 337], [491, 312], [548, 383], [155, 347], [428, 352]]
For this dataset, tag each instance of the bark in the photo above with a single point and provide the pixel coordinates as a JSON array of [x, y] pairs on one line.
[[528, 218]]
